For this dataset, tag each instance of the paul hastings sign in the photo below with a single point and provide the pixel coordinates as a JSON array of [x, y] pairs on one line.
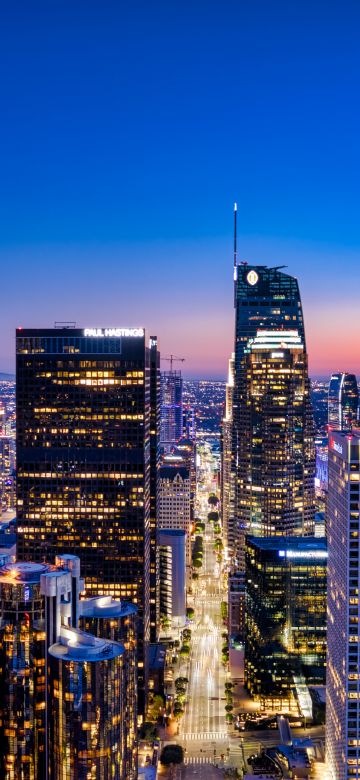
[[102, 333]]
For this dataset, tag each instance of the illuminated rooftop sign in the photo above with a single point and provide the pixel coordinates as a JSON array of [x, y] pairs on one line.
[[252, 278], [273, 339], [304, 554], [114, 332], [336, 447]]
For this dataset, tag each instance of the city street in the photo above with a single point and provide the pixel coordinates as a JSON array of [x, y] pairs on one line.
[[211, 744], [199, 772], [205, 713], [203, 731]]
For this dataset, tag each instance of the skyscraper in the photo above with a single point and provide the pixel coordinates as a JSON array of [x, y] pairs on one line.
[[343, 401], [154, 476], [171, 427], [342, 744], [227, 463], [84, 458], [68, 702], [106, 618], [273, 430], [22, 672], [85, 707]]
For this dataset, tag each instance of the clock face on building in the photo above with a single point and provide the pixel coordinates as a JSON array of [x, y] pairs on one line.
[[252, 278]]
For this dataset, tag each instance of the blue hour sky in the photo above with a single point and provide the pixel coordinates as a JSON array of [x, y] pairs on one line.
[[128, 129]]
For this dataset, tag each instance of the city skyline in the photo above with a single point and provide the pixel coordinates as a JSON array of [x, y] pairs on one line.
[[127, 139], [179, 390]]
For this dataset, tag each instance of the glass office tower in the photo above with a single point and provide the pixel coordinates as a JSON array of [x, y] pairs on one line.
[[285, 624], [22, 672], [273, 429], [171, 428], [343, 401], [83, 448], [154, 471], [342, 736], [85, 707], [109, 619]]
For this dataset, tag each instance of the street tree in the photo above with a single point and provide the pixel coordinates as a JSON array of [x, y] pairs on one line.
[[172, 754]]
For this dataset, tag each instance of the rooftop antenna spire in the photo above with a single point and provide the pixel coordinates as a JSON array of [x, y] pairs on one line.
[[235, 251], [235, 235]]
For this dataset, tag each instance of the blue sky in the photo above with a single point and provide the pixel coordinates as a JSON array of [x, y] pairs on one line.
[[127, 131]]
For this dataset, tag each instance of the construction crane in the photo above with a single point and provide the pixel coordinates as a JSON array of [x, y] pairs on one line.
[[173, 359]]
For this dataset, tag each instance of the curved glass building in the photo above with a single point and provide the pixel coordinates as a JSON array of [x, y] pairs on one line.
[[85, 707], [343, 401], [68, 700], [116, 621], [22, 672]]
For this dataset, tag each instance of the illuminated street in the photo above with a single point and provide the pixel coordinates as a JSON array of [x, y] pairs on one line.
[[209, 743], [205, 713]]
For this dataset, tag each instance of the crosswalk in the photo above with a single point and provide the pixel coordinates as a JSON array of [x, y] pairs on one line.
[[198, 760], [205, 736]]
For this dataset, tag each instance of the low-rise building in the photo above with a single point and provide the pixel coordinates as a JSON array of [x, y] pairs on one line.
[[172, 575]]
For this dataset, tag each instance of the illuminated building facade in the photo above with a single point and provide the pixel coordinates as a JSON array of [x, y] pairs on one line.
[[285, 623], [7, 476], [227, 464], [342, 743], [343, 401], [273, 429], [184, 454], [108, 619], [67, 706], [174, 502], [22, 672], [85, 707], [171, 426], [321, 471], [154, 476], [84, 463]]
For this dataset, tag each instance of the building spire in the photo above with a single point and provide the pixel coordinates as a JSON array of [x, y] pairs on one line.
[[235, 235], [235, 251]]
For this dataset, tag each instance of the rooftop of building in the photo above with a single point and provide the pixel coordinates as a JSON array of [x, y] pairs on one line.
[[76, 645], [69, 329], [7, 539], [170, 472], [172, 532], [23, 572], [9, 516], [106, 607], [295, 543], [157, 655]]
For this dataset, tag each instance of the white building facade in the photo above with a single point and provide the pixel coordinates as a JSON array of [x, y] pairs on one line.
[[174, 502]]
